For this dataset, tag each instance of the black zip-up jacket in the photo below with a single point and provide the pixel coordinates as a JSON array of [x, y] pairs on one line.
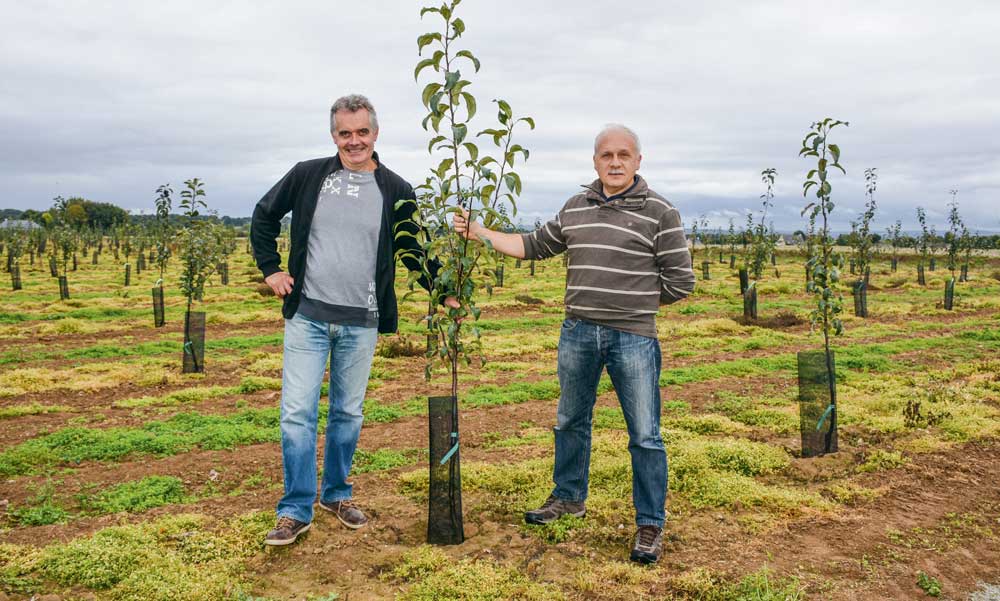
[[298, 192]]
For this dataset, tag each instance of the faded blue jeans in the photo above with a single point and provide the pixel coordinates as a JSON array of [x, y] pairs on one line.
[[633, 363], [309, 345]]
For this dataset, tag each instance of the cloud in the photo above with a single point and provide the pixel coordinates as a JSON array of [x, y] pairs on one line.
[[108, 101]]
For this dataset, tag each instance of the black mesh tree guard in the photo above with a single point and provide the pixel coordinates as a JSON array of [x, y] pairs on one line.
[[223, 273], [817, 402], [774, 259], [140, 263], [53, 268], [750, 302], [722, 259], [74, 262], [732, 261], [949, 294], [964, 275], [159, 318], [128, 274], [933, 264], [500, 276], [860, 292], [444, 507], [93, 258], [517, 263], [194, 342], [705, 273], [852, 266], [15, 277], [868, 276], [920, 275], [63, 288], [744, 281], [531, 265], [894, 265]]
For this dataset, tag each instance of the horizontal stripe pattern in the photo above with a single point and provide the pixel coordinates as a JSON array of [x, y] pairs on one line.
[[627, 256]]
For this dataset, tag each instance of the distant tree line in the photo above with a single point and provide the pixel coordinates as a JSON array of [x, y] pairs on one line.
[[83, 213]]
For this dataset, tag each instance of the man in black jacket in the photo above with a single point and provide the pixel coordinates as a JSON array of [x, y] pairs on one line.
[[338, 295]]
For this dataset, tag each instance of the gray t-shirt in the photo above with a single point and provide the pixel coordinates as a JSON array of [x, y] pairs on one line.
[[339, 282]]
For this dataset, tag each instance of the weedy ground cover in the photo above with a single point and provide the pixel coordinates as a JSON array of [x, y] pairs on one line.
[[917, 384]]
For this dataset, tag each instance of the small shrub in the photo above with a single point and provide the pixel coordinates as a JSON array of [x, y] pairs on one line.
[[399, 346], [879, 460], [929, 584]]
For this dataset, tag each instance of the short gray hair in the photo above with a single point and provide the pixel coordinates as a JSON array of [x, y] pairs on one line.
[[617, 127], [352, 103]]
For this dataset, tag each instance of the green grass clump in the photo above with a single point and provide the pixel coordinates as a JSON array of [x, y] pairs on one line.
[[383, 459], [100, 561], [434, 577], [558, 531], [31, 409], [517, 392], [180, 433], [136, 496], [41, 514], [701, 585], [879, 460], [720, 473]]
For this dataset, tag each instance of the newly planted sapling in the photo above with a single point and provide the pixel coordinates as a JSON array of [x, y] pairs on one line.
[[162, 235], [762, 244], [732, 238], [953, 240], [198, 247], [465, 179], [895, 233], [923, 245], [817, 372], [698, 227], [863, 243]]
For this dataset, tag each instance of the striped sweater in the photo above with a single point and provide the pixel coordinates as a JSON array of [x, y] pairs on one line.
[[627, 255]]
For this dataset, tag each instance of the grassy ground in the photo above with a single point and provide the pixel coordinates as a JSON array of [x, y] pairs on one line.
[[124, 479]]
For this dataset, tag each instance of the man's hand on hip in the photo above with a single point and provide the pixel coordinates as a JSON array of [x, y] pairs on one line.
[[281, 283]]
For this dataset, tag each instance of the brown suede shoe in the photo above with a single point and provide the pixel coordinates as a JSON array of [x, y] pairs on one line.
[[648, 545], [347, 512], [285, 531]]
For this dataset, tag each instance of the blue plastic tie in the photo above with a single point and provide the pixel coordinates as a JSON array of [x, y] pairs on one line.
[[452, 450], [829, 410]]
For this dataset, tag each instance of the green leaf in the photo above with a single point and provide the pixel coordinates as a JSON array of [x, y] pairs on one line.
[[513, 182], [529, 121], [472, 149], [835, 152], [450, 79], [470, 103], [469, 55], [427, 62], [426, 39], [429, 9], [434, 140], [458, 26], [459, 132], [429, 91]]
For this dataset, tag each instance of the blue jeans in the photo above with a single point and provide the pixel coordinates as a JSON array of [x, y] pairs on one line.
[[633, 363], [309, 344]]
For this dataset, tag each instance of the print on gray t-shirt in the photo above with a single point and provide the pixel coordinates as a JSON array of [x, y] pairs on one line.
[[339, 282]]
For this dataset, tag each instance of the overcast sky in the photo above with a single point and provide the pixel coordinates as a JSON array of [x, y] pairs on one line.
[[108, 100]]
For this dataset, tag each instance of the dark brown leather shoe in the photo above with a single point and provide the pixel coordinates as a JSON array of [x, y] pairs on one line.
[[285, 531], [347, 512]]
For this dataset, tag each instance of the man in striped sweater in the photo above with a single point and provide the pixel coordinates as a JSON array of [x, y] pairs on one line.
[[627, 256]]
